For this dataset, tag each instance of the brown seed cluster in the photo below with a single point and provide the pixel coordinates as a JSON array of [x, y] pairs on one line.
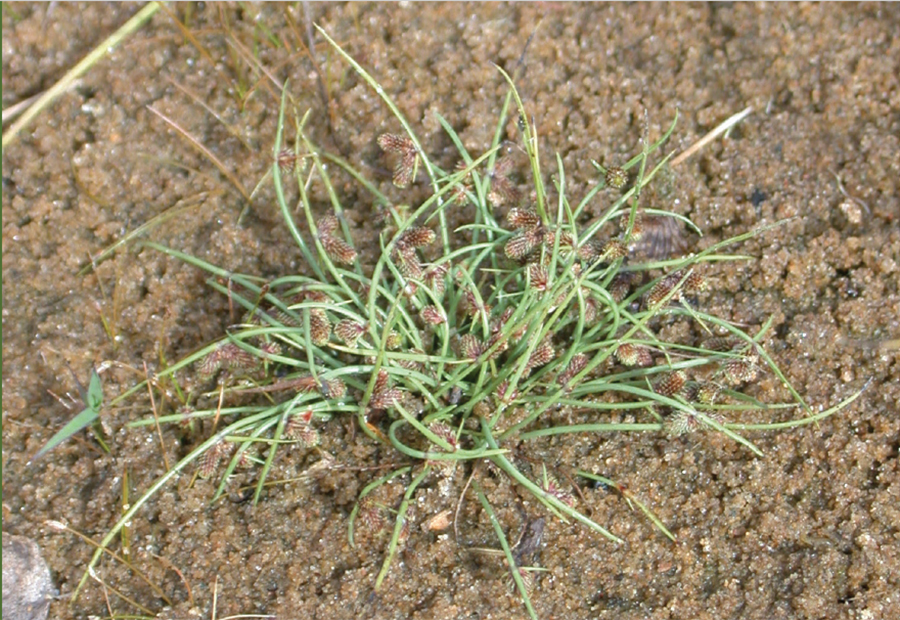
[[228, 356], [319, 323], [337, 249], [446, 433], [460, 193], [538, 277], [739, 371], [543, 353], [469, 347], [297, 428], [433, 315], [287, 159], [349, 331], [503, 191], [405, 256], [551, 486], [384, 396], [209, 460], [631, 354], [670, 383], [694, 283], [404, 149], [578, 363]]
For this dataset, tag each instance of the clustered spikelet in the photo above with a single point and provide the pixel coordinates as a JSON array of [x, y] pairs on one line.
[[319, 326], [740, 370], [616, 177], [694, 282], [460, 193], [287, 159], [407, 155], [591, 310], [413, 364], [682, 422], [434, 279], [670, 383], [538, 277], [408, 263], [372, 517], [504, 393], [209, 460], [416, 237], [404, 253], [228, 356], [349, 331], [384, 396], [305, 384], [613, 249], [502, 189], [578, 363], [270, 349], [660, 291], [472, 306], [528, 580], [469, 347], [620, 287], [543, 353], [524, 243], [589, 251], [319, 323], [393, 341], [663, 288], [708, 393], [523, 218], [637, 227], [297, 428], [719, 343], [443, 431], [530, 235], [337, 249], [333, 389], [631, 354], [551, 486], [433, 315]]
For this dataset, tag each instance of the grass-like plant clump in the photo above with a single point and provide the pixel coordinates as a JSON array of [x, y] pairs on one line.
[[461, 343]]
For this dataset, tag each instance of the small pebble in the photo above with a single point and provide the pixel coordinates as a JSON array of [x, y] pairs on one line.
[[27, 586]]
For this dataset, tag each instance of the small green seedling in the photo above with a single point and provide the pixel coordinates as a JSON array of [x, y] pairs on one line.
[[92, 398]]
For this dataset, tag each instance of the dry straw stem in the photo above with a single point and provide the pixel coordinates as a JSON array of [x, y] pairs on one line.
[[727, 124], [75, 72]]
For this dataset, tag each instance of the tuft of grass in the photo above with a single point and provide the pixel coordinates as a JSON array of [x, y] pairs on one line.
[[460, 346]]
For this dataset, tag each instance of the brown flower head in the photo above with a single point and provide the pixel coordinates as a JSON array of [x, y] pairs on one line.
[[404, 149]]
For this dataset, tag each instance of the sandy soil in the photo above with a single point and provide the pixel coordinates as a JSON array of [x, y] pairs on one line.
[[810, 531]]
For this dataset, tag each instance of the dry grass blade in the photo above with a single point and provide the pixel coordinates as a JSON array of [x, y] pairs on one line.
[[232, 130], [66, 81], [712, 135], [188, 35], [173, 211], [200, 147]]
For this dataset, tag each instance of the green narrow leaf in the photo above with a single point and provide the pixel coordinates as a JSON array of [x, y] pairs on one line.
[[78, 423], [93, 402], [95, 392]]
